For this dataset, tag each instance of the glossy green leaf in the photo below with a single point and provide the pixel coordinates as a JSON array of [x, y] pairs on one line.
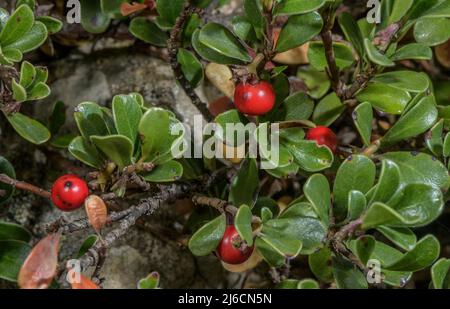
[[363, 117], [243, 28], [432, 31], [12, 255], [423, 255], [253, 11], [89, 119], [385, 98], [148, 31], [30, 129], [402, 237], [364, 247], [117, 148], [282, 242], [343, 55], [317, 82], [434, 140], [12, 231], [169, 10], [446, 145], [298, 106], [399, 9], [414, 51], [191, 67], [112, 7], [310, 156], [317, 190], [347, 276], [376, 56], [328, 110], [52, 24], [405, 80], [57, 117], [244, 187], [7, 169], [356, 173], [19, 92], [210, 54], [308, 284], [220, 39], [440, 10], [85, 152], [207, 238], [416, 121], [320, 264], [150, 282], [27, 74], [294, 7], [420, 168], [92, 17], [17, 25], [86, 245], [34, 38], [388, 183], [311, 25], [167, 172], [267, 252], [39, 91], [352, 32], [127, 114], [243, 224], [440, 274], [357, 203]]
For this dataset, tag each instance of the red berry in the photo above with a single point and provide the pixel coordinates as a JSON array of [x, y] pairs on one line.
[[254, 100], [69, 192], [230, 248], [323, 136]]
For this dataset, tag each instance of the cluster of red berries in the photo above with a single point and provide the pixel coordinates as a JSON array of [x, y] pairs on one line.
[[69, 192]]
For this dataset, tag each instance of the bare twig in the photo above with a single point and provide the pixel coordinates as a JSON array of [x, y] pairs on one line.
[[327, 38], [21, 185], [173, 46]]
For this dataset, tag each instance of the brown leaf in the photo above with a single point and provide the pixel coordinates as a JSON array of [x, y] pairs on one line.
[[128, 9], [39, 268], [85, 284], [97, 212]]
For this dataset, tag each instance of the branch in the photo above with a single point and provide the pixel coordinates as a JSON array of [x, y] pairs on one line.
[[327, 38], [21, 185], [173, 45]]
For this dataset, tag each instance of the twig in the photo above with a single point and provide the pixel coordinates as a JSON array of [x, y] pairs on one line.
[[369, 151], [21, 185], [327, 38], [339, 246], [173, 45]]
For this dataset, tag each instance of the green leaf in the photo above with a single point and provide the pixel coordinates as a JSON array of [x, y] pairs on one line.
[[112, 7], [89, 119], [267, 252], [244, 187], [150, 282], [218, 38], [85, 152], [356, 205], [363, 117], [343, 55], [243, 224], [127, 114], [388, 183], [169, 10], [328, 110], [440, 10], [191, 67], [148, 31], [404, 80], [167, 172], [279, 240], [356, 173], [310, 156], [12, 255], [86, 245], [385, 98], [317, 82], [399, 9], [440, 274], [34, 38], [208, 237], [92, 18], [347, 276], [311, 25], [317, 191], [364, 247], [413, 51], [432, 31], [39, 92], [52, 24], [12, 231], [57, 117], [414, 122], [376, 56], [7, 169], [243, 28], [402, 237], [117, 148], [27, 74], [62, 141], [210, 54], [30, 129], [17, 25], [30, 3], [423, 255], [352, 32], [298, 106], [434, 140], [9, 56], [294, 7], [253, 12], [446, 146], [308, 284], [320, 264], [19, 93], [420, 168]]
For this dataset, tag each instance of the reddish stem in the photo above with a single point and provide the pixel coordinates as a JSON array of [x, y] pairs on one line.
[[21, 185]]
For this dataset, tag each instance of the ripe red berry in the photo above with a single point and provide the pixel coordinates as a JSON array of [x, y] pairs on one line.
[[69, 192], [232, 249], [323, 136], [254, 100]]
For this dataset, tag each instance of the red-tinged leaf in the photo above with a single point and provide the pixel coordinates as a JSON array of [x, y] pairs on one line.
[[85, 284], [96, 211], [130, 8], [39, 268]]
